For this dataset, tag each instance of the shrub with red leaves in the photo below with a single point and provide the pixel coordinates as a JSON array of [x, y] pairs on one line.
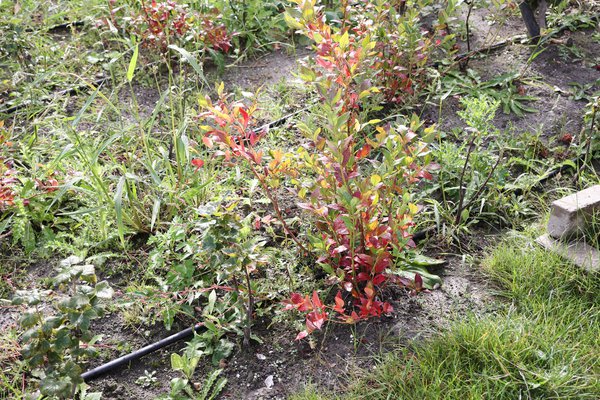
[[158, 24]]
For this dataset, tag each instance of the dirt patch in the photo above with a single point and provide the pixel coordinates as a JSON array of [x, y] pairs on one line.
[[551, 77], [280, 366], [264, 71], [119, 339]]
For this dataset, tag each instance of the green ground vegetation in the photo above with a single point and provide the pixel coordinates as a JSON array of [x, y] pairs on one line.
[[542, 344]]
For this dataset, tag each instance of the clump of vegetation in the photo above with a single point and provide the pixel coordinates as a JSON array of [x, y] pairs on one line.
[[203, 212], [54, 344], [159, 24]]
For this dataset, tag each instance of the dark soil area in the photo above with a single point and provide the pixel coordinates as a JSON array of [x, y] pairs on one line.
[[325, 361], [551, 77]]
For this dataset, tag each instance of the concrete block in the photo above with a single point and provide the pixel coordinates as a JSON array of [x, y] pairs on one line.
[[579, 253], [570, 214]]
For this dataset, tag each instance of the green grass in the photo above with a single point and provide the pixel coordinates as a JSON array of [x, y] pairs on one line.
[[545, 344]]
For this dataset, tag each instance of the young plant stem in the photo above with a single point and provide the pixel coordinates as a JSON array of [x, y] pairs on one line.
[[462, 192], [484, 184], [276, 208], [249, 310], [588, 145], [464, 63]]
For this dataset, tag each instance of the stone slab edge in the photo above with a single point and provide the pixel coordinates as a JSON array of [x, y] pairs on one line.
[[569, 214], [579, 253]]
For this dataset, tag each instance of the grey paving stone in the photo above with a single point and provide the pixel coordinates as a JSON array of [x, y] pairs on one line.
[[580, 253], [569, 214]]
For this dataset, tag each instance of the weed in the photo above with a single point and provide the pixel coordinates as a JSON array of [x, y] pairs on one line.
[[147, 380], [53, 346]]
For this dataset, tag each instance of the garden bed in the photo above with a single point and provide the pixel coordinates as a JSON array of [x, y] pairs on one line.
[[132, 140]]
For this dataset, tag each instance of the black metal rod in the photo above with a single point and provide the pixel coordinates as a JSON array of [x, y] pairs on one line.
[[104, 368]]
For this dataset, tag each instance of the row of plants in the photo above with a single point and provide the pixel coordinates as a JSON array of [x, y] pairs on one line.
[[205, 196]]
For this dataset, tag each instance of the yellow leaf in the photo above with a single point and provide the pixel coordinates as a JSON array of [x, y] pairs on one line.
[[375, 179], [203, 101], [344, 41], [413, 208]]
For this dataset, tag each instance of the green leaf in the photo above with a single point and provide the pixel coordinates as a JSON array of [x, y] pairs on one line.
[[63, 340], [429, 280], [222, 351], [177, 385], [86, 273], [79, 301], [191, 60], [424, 261], [85, 107], [133, 63], [177, 362], [118, 201], [52, 386], [104, 291], [212, 298], [464, 215], [169, 317], [29, 319]]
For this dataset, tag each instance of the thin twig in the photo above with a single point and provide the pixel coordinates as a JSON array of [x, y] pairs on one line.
[[482, 187], [247, 329], [462, 177]]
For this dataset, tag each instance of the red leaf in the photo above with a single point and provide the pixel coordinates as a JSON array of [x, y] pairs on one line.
[[328, 65], [316, 301], [362, 276], [369, 291], [379, 279], [198, 163], [381, 265], [424, 174], [418, 282], [339, 249], [362, 153], [245, 116], [207, 141], [253, 138], [567, 138], [339, 303], [364, 259], [301, 335], [387, 308], [315, 321], [306, 206]]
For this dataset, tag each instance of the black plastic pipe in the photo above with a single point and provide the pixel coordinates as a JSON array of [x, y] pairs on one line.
[[104, 368]]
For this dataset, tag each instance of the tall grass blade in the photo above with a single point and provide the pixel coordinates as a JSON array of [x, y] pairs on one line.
[[191, 60], [84, 108], [119, 208], [133, 63]]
